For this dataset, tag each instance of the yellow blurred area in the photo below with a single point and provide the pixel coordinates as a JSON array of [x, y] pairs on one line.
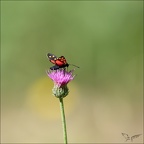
[[41, 101]]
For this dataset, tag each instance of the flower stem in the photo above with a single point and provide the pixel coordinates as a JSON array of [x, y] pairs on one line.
[[63, 120]]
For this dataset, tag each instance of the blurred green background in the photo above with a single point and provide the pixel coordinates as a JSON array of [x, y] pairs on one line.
[[104, 38]]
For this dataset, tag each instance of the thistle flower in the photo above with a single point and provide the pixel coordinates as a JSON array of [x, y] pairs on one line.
[[60, 78]]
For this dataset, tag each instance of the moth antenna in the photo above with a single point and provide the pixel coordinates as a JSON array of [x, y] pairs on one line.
[[74, 65]]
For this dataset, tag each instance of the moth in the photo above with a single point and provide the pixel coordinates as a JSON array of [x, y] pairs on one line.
[[59, 62]]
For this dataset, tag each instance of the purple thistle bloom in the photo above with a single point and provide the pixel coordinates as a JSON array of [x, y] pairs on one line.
[[60, 78]]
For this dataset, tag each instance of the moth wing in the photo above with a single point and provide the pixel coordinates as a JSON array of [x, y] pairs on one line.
[[52, 58], [61, 61]]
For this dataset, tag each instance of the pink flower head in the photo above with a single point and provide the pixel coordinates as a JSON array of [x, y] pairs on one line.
[[61, 77]]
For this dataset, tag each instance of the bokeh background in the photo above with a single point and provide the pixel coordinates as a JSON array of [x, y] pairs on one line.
[[104, 38]]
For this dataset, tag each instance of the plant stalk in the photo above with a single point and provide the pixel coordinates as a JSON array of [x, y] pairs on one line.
[[63, 120]]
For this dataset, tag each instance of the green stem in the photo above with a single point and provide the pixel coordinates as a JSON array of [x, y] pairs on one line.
[[63, 120]]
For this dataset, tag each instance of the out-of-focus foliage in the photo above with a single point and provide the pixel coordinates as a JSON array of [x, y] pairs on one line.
[[104, 38]]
